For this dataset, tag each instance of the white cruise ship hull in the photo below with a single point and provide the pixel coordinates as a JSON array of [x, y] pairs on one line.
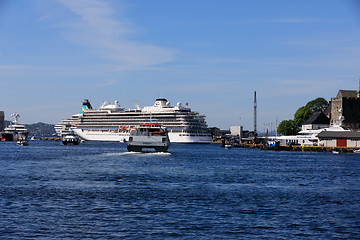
[[185, 138], [101, 135], [113, 136]]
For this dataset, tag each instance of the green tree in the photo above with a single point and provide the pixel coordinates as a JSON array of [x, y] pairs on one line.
[[287, 127], [292, 127], [305, 112], [317, 105], [301, 115]]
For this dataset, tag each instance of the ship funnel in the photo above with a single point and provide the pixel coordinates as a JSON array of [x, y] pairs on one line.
[[160, 102], [86, 105]]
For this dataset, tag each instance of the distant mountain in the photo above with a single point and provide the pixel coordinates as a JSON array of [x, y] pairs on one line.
[[38, 129]]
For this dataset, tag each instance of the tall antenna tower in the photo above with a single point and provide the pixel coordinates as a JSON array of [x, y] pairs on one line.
[[255, 106]]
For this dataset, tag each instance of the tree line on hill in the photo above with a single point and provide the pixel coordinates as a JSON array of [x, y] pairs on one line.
[[293, 126]]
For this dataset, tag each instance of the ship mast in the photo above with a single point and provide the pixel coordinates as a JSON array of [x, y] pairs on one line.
[[255, 106]]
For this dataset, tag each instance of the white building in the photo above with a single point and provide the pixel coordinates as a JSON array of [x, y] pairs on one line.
[[339, 139], [317, 121], [236, 130]]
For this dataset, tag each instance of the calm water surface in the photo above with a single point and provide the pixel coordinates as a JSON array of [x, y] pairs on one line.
[[100, 191]]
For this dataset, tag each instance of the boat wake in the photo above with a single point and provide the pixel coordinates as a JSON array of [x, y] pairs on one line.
[[145, 153]]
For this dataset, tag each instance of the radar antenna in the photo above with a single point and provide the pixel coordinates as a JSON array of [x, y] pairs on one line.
[[137, 106], [15, 116]]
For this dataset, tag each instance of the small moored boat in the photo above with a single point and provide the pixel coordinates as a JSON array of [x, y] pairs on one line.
[[228, 146], [22, 142], [148, 135]]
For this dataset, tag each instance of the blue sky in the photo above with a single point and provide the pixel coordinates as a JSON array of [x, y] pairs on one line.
[[211, 54]]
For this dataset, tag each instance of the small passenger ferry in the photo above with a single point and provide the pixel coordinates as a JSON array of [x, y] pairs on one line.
[[70, 139], [148, 135]]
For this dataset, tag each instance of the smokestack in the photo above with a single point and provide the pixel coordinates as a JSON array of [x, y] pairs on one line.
[[2, 122]]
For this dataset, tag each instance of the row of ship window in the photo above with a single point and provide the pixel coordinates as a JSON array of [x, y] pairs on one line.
[[132, 122], [142, 120]]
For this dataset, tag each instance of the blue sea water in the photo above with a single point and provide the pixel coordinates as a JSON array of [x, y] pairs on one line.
[[101, 191]]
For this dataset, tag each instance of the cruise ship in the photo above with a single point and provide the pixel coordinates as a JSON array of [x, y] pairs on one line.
[[111, 122]]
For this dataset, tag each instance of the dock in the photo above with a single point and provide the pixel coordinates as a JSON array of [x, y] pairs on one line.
[[299, 148], [51, 138]]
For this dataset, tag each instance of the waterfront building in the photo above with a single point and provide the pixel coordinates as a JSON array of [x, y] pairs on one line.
[[339, 139], [217, 134], [345, 107], [236, 130], [335, 127], [317, 121], [312, 127]]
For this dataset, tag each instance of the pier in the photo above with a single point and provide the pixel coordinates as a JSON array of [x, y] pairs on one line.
[[299, 148], [51, 138]]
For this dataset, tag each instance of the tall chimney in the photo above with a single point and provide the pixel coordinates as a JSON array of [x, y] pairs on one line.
[[2, 122]]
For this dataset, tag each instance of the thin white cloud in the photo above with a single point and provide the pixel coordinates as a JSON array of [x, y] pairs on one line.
[[295, 20], [287, 87], [43, 18], [110, 37], [35, 68], [108, 82]]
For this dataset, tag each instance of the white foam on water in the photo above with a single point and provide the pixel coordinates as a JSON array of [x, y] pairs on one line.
[[137, 154]]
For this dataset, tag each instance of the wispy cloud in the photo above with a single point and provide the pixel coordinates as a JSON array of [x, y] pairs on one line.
[[108, 82], [294, 20], [19, 67], [43, 18], [285, 87], [110, 37]]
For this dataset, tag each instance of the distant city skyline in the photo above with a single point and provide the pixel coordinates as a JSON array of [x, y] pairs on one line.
[[211, 54]]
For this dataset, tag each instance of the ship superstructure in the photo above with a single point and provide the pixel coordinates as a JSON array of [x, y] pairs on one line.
[[111, 122]]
